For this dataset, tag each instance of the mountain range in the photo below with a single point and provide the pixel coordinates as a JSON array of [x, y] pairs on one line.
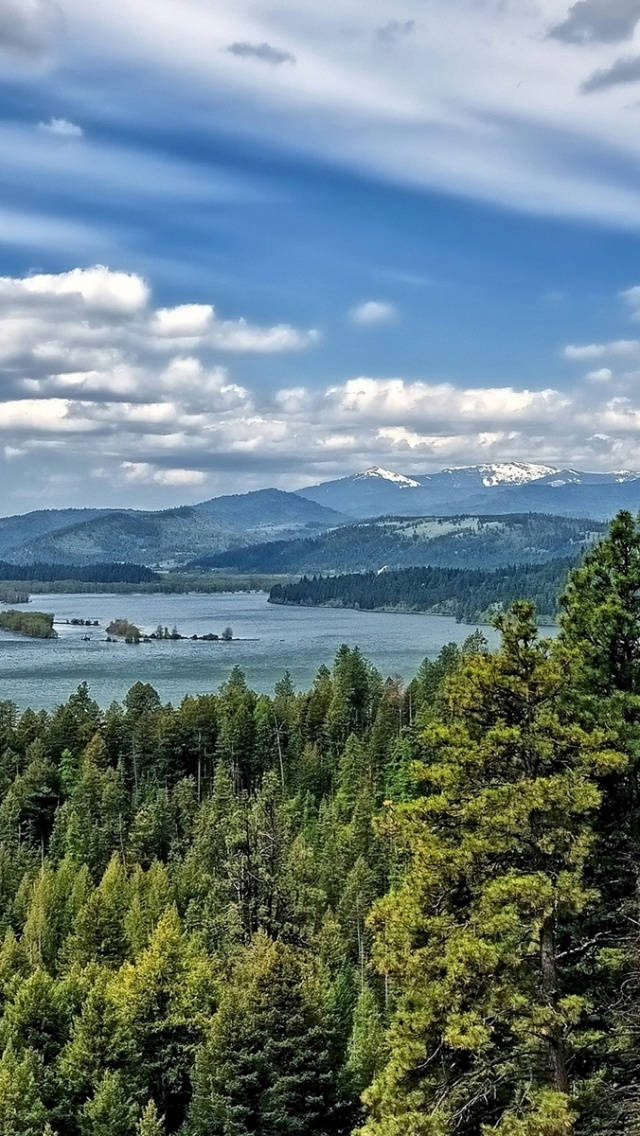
[[502, 487], [172, 537]]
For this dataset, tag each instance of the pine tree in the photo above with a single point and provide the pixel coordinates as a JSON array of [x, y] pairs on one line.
[[266, 1068], [150, 1123], [163, 1003], [475, 937], [367, 1045], [111, 1111], [22, 1112]]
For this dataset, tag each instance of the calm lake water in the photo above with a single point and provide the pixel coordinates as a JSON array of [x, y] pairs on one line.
[[43, 673]]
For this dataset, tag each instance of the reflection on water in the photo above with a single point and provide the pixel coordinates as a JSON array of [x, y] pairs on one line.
[[43, 673]]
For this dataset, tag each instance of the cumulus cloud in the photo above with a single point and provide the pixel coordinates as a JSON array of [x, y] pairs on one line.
[[98, 381], [61, 128], [598, 21], [98, 289], [265, 52], [85, 356], [622, 71], [199, 323], [373, 312], [28, 27], [394, 401]]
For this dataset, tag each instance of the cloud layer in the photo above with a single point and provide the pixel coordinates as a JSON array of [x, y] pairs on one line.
[[101, 388]]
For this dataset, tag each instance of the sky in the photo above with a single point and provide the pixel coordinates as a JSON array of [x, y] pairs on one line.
[[274, 243]]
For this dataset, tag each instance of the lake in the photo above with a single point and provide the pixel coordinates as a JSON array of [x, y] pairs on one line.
[[269, 639]]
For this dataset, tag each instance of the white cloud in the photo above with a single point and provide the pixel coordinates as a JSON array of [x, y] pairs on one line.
[[185, 320], [618, 349], [373, 312], [145, 474], [602, 375], [61, 128], [199, 322], [99, 288], [395, 401]]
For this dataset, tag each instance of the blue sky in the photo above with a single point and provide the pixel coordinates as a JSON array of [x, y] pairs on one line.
[[272, 244]]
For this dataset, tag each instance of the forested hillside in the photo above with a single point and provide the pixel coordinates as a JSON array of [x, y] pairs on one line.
[[162, 537], [361, 908], [467, 594], [392, 542]]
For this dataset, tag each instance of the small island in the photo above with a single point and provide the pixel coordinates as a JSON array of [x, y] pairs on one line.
[[34, 624], [124, 629]]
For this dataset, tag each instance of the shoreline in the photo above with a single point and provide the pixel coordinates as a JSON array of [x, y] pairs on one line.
[[543, 621]]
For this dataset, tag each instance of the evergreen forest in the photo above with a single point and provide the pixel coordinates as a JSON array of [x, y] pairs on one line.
[[468, 594], [363, 908]]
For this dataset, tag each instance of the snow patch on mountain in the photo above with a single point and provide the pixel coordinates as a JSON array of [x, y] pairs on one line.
[[388, 475], [513, 473]]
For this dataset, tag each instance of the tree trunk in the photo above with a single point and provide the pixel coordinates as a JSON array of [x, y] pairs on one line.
[[557, 1059]]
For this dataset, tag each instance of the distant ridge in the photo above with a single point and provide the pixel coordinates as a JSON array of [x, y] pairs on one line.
[[497, 487], [164, 538]]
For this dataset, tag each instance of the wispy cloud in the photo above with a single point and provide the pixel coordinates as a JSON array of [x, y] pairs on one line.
[[410, 117], [598, 21], [265, 52]]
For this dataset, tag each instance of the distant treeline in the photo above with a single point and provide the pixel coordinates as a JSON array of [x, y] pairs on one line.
[[89, 573], [34, 624], [12, 595], [467, 594], [170, 584]]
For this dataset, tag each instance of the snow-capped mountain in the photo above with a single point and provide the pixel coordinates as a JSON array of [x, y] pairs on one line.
[[398, 479], [498, 487]]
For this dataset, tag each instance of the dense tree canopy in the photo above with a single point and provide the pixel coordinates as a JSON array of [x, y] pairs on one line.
[[368, 907], [467, 594]]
